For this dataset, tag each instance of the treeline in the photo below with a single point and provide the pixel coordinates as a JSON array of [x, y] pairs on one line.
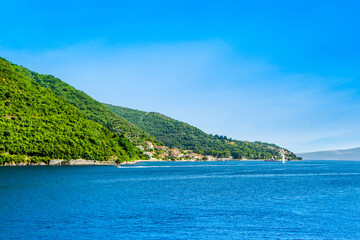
[[93, 109], [37, 125], [43, 118], [178, 134]]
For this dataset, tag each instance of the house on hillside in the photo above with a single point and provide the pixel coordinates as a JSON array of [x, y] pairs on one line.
[[187, 151], [164, 148], [150, 154], [226, 159], [149, 145], [175, 153], [140, 147], [163, 155], [196, 156]]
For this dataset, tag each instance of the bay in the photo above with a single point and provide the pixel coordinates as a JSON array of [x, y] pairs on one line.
[[182, 200]]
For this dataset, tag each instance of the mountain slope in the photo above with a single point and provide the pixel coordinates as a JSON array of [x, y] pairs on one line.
[[178, 134], [93, 109], [345, 154], [37, 125]]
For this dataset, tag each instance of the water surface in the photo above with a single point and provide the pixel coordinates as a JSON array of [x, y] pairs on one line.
[[182, 200]]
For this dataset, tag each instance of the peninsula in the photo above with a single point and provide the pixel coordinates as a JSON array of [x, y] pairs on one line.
[[44, 120]]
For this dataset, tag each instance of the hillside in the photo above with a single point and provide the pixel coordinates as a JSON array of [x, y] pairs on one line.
[[345, 154], [36, 125], [178, 134], [93, 109]]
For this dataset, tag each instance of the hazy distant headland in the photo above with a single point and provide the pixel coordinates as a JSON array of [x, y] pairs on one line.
[[344, 154]]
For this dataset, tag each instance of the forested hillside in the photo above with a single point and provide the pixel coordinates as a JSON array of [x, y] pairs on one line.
[[93, 109], [36, 125], [178, 134]]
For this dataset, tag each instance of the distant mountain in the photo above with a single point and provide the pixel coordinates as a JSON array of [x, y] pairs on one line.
[[36, 125], [181, 135], [345, 154], [93, 109]]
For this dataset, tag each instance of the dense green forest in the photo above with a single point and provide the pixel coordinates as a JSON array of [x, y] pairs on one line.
[[178, 134], [43, 118], [93, 109], [36, 125]]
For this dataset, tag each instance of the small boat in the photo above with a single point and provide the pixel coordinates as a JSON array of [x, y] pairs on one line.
[[118, 166], [283, 158]]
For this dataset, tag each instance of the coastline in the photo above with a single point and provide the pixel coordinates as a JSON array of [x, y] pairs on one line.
[[60, 162], [84, 162], [80, 162]]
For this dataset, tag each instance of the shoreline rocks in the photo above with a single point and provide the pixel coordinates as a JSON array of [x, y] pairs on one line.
[[84, 162]]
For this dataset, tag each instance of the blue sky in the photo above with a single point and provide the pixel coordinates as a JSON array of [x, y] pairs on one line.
[[286, 72]]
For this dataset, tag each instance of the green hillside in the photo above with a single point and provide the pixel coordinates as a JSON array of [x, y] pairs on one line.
[[93, 109], [37, 125], [178, 134]]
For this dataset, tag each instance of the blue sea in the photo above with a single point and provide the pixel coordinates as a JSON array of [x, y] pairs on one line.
[[182, 200]]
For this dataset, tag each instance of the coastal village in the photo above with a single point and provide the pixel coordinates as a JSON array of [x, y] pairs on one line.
[[155, 152]]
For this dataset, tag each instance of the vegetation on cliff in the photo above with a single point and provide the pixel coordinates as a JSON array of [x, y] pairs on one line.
[[43, 118], [181, 135], [37, 125], [93, 109]]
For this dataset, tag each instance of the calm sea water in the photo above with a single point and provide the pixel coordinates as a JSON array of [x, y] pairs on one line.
[[203, 200]]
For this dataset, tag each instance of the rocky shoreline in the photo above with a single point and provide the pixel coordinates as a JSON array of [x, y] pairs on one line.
[[80, 162], [84, 162], [61, 162]]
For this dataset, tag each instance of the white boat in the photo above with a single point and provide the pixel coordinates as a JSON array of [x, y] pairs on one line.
[[283, 158]]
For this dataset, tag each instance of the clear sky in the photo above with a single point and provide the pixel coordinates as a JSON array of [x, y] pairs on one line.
[[286, 72]]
